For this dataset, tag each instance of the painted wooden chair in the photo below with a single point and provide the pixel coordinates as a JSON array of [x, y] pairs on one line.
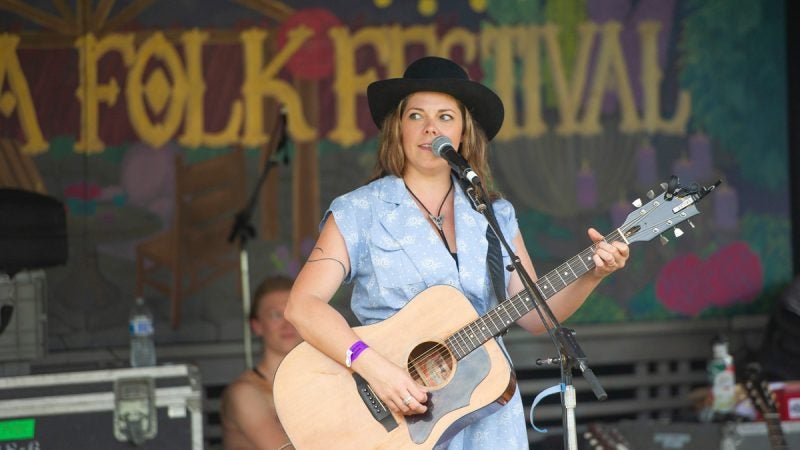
[[195, 251]]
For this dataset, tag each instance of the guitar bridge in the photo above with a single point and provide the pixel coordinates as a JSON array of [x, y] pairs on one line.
[[374, 404]]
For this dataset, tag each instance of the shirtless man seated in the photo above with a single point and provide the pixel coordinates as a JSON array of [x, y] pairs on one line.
[[249, 418]]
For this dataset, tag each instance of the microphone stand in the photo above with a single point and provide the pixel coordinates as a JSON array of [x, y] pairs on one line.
[[571, 355], [242, 230]]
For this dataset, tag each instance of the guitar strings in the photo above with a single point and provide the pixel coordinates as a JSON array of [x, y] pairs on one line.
[[444, 351]]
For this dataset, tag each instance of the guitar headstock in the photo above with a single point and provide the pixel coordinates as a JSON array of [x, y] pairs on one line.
[[664, 211], [759, 392]]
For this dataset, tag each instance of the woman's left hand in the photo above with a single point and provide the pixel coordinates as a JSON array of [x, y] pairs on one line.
[[608, 256]]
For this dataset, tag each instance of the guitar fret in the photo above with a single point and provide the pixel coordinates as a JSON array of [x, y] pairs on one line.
[[525, 301], [563, 282], [514, 305], [475, 335], [458, 339], [486, 329], [576, 268], [495, 328], [507, 319], [468, 340], [546, 290], [570, 269], [500, 319], [482, 333], [474, 327], [557, 283], [465, 343], [586, 258], [490, 317], [572, 272], [560, 270], [583, 258], [490, 326], [450, 344], [453, 345]]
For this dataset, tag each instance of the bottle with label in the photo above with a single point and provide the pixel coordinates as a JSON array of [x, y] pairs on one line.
[[723, 379], [140, 325]]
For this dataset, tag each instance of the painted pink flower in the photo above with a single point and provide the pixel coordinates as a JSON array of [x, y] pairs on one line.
[[689, 285]]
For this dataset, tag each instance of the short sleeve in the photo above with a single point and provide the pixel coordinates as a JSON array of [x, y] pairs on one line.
[[352, 218], [507, 218]]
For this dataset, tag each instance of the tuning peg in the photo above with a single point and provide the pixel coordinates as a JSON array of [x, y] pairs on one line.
[[678, 232], [650, 194], [664, 186], [691, 224], [663, 239], [637, 203]]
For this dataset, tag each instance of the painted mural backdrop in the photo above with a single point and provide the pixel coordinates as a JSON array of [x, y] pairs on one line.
[[604, 100]]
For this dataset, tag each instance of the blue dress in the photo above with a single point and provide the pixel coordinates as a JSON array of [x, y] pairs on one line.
[[395, 254]]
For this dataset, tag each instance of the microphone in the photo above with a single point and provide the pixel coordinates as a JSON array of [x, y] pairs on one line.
[[442, 147]]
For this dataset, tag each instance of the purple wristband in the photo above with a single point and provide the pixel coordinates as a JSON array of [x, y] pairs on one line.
[[353, 352]]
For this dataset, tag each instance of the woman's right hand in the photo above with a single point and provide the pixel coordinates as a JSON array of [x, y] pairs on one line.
[[391, 383]]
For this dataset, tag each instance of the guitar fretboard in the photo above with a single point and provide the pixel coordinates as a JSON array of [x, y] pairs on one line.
[[500, 318], [762, 398], [777, 440]]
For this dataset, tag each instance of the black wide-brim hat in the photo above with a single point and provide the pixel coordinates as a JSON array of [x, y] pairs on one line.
[[434, 74]]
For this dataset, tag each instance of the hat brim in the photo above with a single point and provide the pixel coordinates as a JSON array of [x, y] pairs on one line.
[[484, 105]]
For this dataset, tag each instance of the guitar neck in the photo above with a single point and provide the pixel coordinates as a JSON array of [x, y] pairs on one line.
[[762, 398], [499, 319], [565, 274], [777, 440]]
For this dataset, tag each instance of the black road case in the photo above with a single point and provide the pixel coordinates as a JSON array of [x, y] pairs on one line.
[[159, 407]]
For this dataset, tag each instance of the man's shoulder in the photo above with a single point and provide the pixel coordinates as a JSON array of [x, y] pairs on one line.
[[248, 383]]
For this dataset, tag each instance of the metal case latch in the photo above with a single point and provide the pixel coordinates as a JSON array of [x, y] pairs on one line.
[[135, 418]]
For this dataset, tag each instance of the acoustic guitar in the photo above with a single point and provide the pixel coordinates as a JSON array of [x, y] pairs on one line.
[[445, 346], [762, 398]]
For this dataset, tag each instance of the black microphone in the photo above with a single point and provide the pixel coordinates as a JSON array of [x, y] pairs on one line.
[[442, 147]]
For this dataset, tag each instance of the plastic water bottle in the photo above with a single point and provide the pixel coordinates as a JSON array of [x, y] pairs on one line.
[[140, 325], [723, 379]]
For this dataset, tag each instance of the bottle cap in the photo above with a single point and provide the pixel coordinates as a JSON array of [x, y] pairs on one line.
[[720, 349]]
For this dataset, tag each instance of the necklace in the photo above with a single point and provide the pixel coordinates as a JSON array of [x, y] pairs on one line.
[[260, 373], [438, 219]]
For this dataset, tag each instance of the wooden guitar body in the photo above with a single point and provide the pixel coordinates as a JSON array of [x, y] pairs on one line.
[[321, 404]]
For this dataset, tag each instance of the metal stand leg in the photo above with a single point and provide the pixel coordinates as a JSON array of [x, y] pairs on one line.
[[248, 343], [570, 434], [569, 401]]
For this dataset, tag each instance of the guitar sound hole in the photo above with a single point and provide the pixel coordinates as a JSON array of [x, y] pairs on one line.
[[431, 364]]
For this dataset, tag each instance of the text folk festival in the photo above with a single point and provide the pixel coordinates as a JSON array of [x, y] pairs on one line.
[[373, 224]]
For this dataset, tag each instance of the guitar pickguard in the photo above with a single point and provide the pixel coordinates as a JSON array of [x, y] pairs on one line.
[[469, 373]]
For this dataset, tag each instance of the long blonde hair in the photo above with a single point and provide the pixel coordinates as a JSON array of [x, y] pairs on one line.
[[474, 148]]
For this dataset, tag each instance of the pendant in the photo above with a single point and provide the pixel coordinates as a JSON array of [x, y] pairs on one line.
[[437, 220]]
